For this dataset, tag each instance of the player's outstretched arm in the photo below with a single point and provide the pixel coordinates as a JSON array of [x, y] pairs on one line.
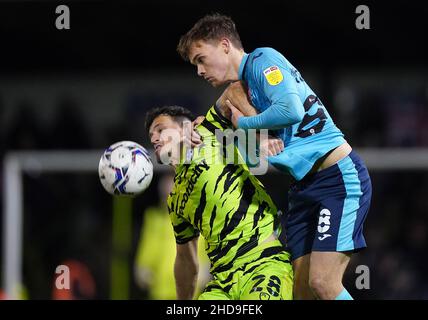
[[186, 269], [285, 108], [277, 116]]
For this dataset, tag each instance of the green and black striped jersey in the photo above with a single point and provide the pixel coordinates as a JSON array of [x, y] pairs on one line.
[[224, 202]]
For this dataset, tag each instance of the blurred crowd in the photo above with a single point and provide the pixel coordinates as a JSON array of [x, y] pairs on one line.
[[68, 217]]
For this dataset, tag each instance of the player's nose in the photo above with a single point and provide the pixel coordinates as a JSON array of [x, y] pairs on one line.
[[154, 138], [201, 70]]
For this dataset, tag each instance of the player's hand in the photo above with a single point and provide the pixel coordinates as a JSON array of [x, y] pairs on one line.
[[192, 137], [198, 121], [275, 146], [271, 146], [236, 114]]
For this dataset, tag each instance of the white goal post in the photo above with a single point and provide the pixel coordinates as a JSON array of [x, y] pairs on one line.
[[16, 163]]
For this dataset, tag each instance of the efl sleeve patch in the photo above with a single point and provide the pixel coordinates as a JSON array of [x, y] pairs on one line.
[[273, 75]]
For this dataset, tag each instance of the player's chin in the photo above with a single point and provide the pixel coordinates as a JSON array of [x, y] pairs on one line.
[[158, 156], [215, 83], [163, 155]]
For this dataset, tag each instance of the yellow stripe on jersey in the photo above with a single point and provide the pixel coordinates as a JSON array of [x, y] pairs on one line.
[[223, 202]]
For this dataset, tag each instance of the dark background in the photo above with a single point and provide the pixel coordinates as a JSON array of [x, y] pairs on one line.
[[138, 35], [373, 82]]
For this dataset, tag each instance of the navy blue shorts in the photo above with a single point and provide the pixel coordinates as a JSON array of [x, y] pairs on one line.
[[327, 209]]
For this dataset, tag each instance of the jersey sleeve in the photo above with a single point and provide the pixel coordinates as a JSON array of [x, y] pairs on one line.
[[214, 120], [184, 231], [280, 88]]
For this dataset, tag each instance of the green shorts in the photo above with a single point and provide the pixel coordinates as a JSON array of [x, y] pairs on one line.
[[265, 273]]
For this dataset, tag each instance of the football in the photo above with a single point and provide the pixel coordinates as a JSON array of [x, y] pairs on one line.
[[125, 168]]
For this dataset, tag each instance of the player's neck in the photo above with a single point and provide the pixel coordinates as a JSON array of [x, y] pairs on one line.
[[185, 157], [236, 59]]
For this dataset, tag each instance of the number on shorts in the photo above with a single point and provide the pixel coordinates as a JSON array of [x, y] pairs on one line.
[[273, 286]]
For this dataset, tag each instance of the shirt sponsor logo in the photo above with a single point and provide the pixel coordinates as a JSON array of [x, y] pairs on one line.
[[197, 171], [273, 75]]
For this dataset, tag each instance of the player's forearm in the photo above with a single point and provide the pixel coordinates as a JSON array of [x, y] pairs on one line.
[[277, 116], [246, 109], [224, 111], [186, 276], [236, 93]]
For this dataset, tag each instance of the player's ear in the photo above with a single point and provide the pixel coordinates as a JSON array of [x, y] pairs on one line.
[[225, 44]]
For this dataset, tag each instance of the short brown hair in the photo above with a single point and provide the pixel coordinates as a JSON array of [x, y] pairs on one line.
[[179, 114], [211, 27]]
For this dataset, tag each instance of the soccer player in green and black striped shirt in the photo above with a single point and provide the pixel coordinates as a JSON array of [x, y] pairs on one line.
[[225, 204]]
